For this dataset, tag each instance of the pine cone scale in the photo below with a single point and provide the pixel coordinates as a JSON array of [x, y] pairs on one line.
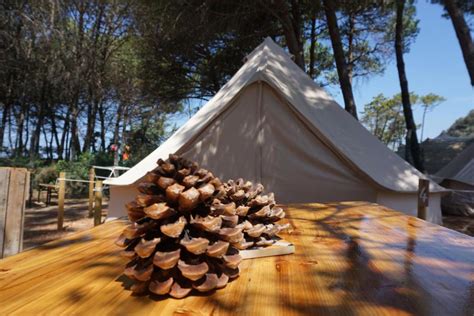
[[188, 227]]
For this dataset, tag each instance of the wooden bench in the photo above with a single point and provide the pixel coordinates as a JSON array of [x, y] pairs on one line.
[[351, 258]]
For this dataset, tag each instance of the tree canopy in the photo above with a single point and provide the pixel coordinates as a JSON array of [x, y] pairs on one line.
[[79, 76]]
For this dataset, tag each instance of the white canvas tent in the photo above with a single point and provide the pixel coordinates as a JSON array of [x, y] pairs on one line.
[[458, 175], [272, 124], [460, 171]]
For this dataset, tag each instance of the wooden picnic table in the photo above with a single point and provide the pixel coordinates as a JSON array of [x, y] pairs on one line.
[[351, 258], [49, 188]]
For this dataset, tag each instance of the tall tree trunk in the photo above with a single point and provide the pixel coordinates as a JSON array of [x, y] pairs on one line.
[[62, 152], [27, 128], [117, 123], [67, 148], [341, 65], [350, 49], [126, 119], [102, 126], [19, 132], [412, 148], [54, 132], [425, 109], [10, 133], [75, 145], [312, 47], [94, 86], [290, 19], [91, 114], [464, 35], [36, 135], [48, 144], [7, 105], [6, 112]]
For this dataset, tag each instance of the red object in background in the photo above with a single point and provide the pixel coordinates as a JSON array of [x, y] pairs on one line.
[[113, 147], [126, 152]]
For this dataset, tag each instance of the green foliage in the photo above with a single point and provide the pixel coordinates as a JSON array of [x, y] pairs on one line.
[[324, 64], [466, 6], [41, 170], [430, 101], [463, 127], [47, 175], [366, 32], [103, 158], [410, 25], [80, 75], [143, 140], [23, 162], [79, 169], [383, 116], [76, 169]]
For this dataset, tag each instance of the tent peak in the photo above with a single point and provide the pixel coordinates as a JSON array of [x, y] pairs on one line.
[[267, 46], [325, 119]]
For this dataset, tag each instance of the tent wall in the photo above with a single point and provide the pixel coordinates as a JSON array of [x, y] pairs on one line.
[[119, 196], [264, 141], [260, 138], [408, 204], [297, 165], [228, 145]]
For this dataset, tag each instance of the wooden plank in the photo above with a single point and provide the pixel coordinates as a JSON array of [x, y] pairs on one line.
[[4, 184], [61, 196], [279, 248], [423, 197], [98, 203], [26, 197], [91, 192], [351, 258], [17, 195]]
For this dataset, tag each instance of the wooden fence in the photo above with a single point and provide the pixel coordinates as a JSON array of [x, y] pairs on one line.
[[95, 197], [14, 191]]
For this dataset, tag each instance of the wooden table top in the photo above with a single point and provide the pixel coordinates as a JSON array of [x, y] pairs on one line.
[[351, 258]]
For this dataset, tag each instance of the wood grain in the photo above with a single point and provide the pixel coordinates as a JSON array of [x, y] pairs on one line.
[[15, 209], [5, 183], [13, 194], [98, 203], [351, 258], [61, 197], [90, 206]]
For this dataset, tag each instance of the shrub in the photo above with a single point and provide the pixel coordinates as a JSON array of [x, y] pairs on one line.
[[76, 169], [47, 175]]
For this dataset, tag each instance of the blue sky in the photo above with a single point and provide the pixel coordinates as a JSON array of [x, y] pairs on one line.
[[434, 64]]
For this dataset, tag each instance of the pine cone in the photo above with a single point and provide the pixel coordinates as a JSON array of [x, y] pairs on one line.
[[187, 228], [255, 214]]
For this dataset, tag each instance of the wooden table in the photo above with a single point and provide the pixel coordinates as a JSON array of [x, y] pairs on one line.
[[351, 258], [49, 188]]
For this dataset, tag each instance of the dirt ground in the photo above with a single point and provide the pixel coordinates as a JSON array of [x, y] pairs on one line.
[[41, 221]]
